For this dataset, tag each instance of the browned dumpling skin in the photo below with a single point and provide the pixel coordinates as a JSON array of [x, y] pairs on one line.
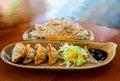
[[30, 54], [18, 52], [52, 54], [41, 54]]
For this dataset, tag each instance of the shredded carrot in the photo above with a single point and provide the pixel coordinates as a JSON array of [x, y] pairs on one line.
[[59, 37], [55, 24]]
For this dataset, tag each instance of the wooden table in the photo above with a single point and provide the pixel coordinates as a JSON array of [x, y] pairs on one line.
[[109, 72]]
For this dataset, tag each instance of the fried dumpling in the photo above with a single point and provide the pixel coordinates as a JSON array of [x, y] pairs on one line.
[[41, 54], [30, 54], [18, 52], [52, 54]]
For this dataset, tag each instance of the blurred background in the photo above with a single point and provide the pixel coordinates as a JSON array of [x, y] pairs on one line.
[[100, 12]]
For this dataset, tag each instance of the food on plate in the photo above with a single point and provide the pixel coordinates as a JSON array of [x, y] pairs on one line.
[[52, 54], [98, 54], [60, 37], [66, 54], [30, 54], [18, 52], [75, 55], [41, 55], [62, 27]]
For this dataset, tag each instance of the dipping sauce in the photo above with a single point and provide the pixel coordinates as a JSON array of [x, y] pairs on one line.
[[99, 55]]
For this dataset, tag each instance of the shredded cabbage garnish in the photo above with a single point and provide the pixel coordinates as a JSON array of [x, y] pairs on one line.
[[72, 54]]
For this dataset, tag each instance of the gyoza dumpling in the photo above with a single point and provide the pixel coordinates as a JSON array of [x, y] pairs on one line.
[[41, 54], [52, 54], [18, 51], [30, 54]]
